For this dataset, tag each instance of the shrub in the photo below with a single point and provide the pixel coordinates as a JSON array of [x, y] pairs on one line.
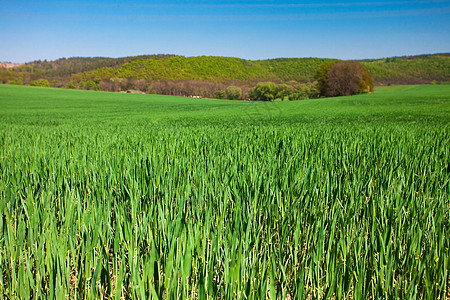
[[269, 91], [71, 85], [233, 92], [220, 94], [41, 83], [305, 91], [92, 85], [18, 81]]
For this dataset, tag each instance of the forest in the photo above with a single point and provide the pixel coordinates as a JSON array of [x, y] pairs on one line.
[[210, 77]]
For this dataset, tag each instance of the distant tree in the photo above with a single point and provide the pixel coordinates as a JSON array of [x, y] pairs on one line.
[[264, 91], [305, 91], [284, 92], [92, 85], [41, 83], [322, 77], [128, 84], [140, 85], [343, 78], [106, 85], [233, 92], [366, 85], [220, 94]]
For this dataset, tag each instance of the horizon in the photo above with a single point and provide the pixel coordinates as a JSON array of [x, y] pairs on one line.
[[251, 30]]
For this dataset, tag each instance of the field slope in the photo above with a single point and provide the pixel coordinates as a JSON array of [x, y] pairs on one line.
[[140, 196]]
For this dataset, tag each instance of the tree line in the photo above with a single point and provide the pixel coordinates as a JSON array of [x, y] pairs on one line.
[[212, 77], [338, 78], [263, 91]]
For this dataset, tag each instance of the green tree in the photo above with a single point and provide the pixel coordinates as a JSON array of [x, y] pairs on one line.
[[264, 91], [233, 92], [284, 92], [305, 91]]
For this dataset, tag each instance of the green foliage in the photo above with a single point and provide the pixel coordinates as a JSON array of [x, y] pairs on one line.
[[233, 92], [109, 195], [41, 83], [91, 85], [264, 91], [269, 91], [306, 91], [283, 91], [220, 94], [409, 69], [71, 85], [18, 81]]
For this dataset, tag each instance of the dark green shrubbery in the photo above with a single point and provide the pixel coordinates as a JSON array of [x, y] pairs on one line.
[[269, 91]]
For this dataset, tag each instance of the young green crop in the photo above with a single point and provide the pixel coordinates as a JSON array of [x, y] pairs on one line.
[[107, 195]]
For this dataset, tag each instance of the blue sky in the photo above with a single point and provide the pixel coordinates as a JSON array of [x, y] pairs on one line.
[[31, 30]]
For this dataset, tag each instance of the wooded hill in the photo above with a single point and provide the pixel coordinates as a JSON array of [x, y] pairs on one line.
[[207, 75]]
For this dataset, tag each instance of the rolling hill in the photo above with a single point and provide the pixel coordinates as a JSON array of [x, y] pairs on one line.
[[170, 74]]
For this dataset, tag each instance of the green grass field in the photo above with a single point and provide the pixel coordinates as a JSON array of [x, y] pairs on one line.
[[147, 196]]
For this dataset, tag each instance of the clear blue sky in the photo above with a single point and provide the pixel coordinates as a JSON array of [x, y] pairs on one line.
[[259, 29]]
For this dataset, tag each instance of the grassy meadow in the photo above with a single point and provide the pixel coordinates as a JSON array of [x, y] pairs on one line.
[[109, 195]]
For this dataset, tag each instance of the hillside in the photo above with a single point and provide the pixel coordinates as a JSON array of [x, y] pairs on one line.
[[217, 69], [208, 75], [410, 69]]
